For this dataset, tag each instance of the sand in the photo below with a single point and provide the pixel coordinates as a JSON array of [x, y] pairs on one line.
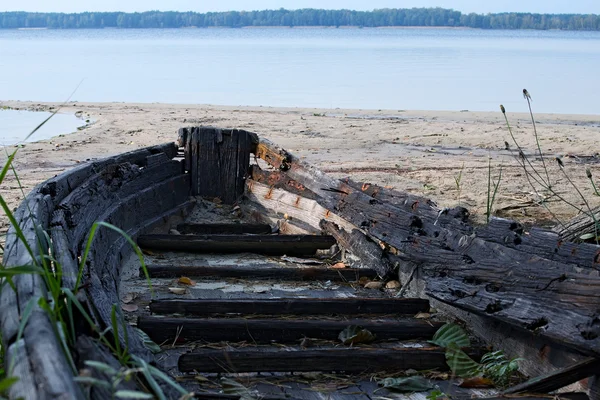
[[422, 152]]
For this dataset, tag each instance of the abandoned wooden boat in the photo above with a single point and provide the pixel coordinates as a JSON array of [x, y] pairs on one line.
[[240, 242]]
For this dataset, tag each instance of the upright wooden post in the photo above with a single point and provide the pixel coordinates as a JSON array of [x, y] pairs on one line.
[[218, 161]]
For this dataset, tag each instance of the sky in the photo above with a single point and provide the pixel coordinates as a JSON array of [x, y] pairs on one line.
[[478, 6]]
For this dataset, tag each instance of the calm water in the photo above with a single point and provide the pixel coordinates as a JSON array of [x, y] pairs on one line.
[[431, 69], [16, 125]]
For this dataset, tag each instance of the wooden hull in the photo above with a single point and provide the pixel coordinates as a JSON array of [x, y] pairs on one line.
[[529, 294]]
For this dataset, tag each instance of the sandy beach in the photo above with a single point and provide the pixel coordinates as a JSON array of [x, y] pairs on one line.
[[422, 152]]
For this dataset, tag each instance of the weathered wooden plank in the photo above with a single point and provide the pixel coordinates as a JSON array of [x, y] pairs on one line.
[[367, 254], [296, 245], [131, 213], [163, 329], [60, 186], [17, 364], [541, 242], [279, 180], [221, 229], [52, 372], [292, 208], [85, 205], [50, 368], [348, 306], [559, 379], [479, 276], [222, 159], [456, 218], [260, 272], [348, 360]]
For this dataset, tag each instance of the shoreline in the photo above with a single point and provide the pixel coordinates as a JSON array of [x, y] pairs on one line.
[[421, 152]]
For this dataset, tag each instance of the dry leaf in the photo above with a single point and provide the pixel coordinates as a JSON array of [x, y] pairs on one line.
[[129, 307], [422, 315], [392, 285], [128, 298], [363, 281], [339, 265], [374, 285], [177, 290], [477, 382], [184, 280]]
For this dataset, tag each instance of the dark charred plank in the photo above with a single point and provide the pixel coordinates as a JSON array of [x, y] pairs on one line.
[[456, 218], [297, 245], [347, 306], [219, 160], [348, 360], [223, 229], [534, 293], [559, 379], [368, 254], [128, 214], [260, 272], [163, 329], [541, 242]]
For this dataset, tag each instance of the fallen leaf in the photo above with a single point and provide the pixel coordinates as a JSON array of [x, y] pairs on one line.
[[363, 281], [355, 334], [128, 298], [422, 315], [177, 290], [148, 343], [129, 307], [477, 382], [407, 384], [184, 280], [392, 285], [339, 265], [374, 285], [451, 333]]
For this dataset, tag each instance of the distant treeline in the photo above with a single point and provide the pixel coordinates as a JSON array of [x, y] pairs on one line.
[[306, 17]]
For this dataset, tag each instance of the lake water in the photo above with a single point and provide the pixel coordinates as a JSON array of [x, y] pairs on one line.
[[15, 125], [430, 69]]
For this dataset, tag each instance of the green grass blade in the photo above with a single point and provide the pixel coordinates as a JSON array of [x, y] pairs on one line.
[[16, 227], [7, 166], [129, 240]]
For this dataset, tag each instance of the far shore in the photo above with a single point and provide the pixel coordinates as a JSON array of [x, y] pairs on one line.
[[422, 152]]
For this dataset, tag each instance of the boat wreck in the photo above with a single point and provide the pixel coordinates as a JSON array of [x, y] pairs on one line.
[[241, 242]]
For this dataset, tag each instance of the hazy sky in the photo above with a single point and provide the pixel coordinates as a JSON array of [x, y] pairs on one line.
[[479, 6]]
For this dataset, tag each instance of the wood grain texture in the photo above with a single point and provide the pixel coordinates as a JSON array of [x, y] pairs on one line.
[[260, 272], [164, 329], [367, 254], [534, 293], [296, 245], [347, 306], [347, 360], [219, 160], [558, 379]]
